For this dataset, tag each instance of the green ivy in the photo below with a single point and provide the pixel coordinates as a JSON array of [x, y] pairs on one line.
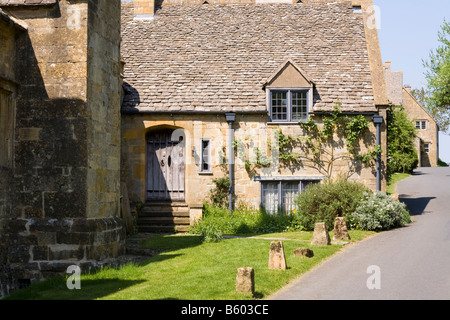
[[317, 143]]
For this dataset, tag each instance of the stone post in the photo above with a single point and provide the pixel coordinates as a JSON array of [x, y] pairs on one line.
[[245, 280], [340, 231], [277, 259], [303, 253], [320, 236]]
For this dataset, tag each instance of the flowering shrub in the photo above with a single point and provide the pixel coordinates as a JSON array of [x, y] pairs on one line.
[[324, 202], [379, 212]]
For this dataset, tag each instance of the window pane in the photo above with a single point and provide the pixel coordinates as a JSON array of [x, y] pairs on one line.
[[270, 197], [279, 105], [424, 125], [205, 155], [289, 190], [417, 124], [299, 105]]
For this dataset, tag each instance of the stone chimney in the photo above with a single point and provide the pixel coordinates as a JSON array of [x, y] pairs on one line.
[[144, 9], [394, 84]]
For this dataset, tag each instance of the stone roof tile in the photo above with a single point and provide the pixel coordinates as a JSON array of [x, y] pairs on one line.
[[217, 58]]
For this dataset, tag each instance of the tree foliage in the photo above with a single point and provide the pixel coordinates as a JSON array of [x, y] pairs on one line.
[[401, 134], [438, 79]]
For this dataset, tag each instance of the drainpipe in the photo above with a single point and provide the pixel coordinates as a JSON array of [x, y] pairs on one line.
[[378, 120], [231, 117]]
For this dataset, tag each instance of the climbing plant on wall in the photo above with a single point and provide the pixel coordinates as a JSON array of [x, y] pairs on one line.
[[321, 146]]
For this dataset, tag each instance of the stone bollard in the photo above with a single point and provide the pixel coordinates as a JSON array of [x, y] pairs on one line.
[[277, 259], [340, 231], [245, 280], [303, 253], [320, 236]]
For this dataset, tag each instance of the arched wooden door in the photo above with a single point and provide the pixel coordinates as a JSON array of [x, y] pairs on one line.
[[165, 166]]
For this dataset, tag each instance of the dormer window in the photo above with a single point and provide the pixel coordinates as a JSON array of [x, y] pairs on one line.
[[289, 94], [290, 105]]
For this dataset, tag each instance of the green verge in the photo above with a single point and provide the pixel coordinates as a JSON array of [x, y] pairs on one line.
[[189, 269], [396, 178]]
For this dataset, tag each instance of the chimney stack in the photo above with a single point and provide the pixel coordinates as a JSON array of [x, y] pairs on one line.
[[144, 9]]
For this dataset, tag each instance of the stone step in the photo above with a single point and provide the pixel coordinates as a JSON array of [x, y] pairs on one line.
[[163, 220], [163, 229], [145, 214], [164, 217], [164, 206]]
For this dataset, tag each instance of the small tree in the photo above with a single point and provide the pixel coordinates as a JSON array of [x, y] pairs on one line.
[[438, 79], [320, 146], [401, 134]]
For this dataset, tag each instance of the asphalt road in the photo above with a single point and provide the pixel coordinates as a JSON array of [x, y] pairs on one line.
[[410, 263]]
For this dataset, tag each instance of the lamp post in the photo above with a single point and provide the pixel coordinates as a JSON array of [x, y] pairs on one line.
[[231, 117], [378, 120]]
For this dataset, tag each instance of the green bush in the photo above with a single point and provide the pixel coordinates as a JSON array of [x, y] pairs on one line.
[[219, 195], [210, 233], [442, 163], [324, 202], [380, 212], [401, 136], [243, 220]]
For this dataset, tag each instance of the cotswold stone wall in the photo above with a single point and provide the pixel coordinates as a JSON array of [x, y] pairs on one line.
[[428, 135], [65, 195], [103, 94], [250, 129], [9, 31]]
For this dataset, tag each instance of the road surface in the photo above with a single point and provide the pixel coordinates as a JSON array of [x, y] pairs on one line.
[[410, 263]]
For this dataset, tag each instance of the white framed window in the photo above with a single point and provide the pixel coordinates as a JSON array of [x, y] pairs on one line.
[[279, 196], [289, 105], [421, 125], [426, 148], [206, 156]]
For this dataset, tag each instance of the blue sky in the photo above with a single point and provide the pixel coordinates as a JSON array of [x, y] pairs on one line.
[[408, 31]]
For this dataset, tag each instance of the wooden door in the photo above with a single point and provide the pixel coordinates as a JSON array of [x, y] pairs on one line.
[[165, 167]]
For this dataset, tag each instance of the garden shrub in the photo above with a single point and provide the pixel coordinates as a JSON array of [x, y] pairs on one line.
[[380, 212], [242, 220], [219, 195], [324, 202], [401, 146], [210, 233]]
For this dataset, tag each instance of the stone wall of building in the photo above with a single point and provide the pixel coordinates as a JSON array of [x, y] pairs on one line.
[[427, 144], [394, 84], [426, 136], [9, 31], [250, 131], [65, 195], [103, 94]]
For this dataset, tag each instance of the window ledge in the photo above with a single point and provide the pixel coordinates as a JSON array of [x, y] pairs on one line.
[[276, 123], [288, 178], [205, 173]]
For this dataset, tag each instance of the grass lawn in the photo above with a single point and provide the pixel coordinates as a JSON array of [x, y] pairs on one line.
[[188, 269], [396, 178]]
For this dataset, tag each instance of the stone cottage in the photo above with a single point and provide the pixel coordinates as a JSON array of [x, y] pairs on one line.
[[60, 90], [205, 88], [207, 83], [427, 142]]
